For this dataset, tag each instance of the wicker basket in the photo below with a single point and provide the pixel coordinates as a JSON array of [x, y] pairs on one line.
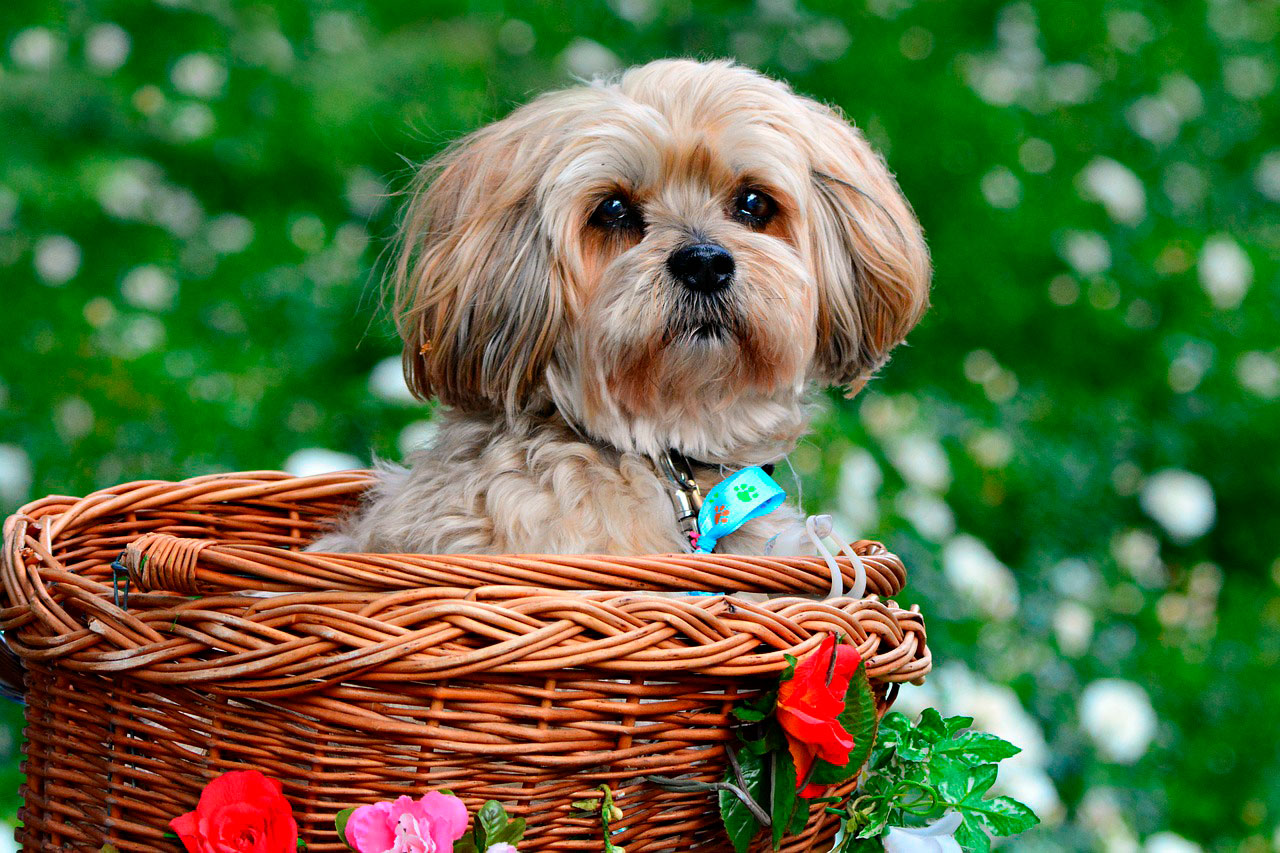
[[354, 678]]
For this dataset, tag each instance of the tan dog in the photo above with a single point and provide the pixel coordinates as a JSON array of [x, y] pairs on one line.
[[661, 265]]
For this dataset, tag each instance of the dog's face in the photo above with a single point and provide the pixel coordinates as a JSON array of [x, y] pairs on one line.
[[670, 260]]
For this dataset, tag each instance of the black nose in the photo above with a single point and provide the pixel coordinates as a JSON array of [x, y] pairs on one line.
[[703, 268]]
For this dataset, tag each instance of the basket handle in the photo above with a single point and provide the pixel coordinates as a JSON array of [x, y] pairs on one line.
[[161, 561]]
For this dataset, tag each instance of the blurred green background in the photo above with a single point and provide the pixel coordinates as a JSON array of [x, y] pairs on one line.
[[1076, 455]]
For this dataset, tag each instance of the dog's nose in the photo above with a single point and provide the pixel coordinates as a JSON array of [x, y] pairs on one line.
[[702, 267]]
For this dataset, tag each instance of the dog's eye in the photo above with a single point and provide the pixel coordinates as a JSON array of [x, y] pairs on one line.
[[617, 211], [754, 207]]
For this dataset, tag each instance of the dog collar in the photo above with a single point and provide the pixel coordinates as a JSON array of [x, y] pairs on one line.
[[731, 503]]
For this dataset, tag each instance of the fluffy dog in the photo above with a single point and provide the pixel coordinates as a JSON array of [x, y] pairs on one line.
[[662, 265]]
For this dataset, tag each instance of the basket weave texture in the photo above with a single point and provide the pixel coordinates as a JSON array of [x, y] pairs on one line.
[[354, 678]]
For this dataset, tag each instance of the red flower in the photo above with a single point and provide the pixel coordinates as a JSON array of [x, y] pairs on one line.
[[809, 705], [239, 812]]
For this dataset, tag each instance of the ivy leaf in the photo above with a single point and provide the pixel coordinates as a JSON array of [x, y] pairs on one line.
[[790, 672], [783, 795], [739, 823], [748, 715], [957, 724]]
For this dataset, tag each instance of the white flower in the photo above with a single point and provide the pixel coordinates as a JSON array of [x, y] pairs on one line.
[[36, 48], [386, 381], [976, 574], [1087, 252], [1181, 502], [57, 259], [921, 461], [504, 847], [586, 58], [230, 233], [1118, 717], [1117, 187], [106, 47], [1170, 842], [1267, 176], [928, 513], [1225, 272], [416, 436], [937, 837], [1073, 626], [1260, 373], [149, 287], [859, 482], [15, 474], [198, 75], [316, 460]]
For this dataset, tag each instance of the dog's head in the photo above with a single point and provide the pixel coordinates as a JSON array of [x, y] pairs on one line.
[[669, 258]]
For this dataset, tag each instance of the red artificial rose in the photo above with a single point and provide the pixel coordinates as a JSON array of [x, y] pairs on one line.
[[239, 812], [809, 706]]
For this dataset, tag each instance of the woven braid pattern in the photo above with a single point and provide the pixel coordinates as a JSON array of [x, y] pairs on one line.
[[354, 678]]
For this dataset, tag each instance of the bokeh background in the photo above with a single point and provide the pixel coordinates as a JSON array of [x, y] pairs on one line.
[[1077, 455]]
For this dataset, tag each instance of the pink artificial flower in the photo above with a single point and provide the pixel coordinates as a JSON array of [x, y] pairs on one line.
[[428, 825]]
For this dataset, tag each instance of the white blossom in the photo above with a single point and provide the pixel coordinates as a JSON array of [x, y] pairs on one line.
[[1169, 842], [1225, 272], [36, 49], [921, 461], [974, 572], [149, 287], [1181, 502], [587, 59], [1260, 373], [1073, 628], [416, 436], [198, 75], [386, 381], [57, 259], [15, 474], [1267, 176], [230, 233], [1117, 188], [106, 47], [1087, 252], [859, 484], [311, 461], [1117, 716]]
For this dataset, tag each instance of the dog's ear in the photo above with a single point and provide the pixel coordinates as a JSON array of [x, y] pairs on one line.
[[479, 300], [871, 261]]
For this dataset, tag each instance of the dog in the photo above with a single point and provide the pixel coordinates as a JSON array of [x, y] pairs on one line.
[[625, 285]]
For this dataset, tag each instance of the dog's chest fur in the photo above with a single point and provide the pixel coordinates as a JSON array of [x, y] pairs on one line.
[[484, 487]]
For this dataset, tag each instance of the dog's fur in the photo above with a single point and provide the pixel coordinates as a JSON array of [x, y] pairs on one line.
[[567, 355]]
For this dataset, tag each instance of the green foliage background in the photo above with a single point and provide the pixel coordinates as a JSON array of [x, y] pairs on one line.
[[191, 214]]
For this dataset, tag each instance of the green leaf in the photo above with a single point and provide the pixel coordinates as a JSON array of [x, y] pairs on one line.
[[975, 748], [466, 844], [740, 825], [957, 724], [490, 820], [782, 794], [790, 672], [859, 720], [511, 833], [1001, 815], [748, 715], [931, 725], [971, 838], [340, 822]]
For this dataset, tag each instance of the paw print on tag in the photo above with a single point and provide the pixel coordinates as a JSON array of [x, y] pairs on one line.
[[746, 492], [721, 514]]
